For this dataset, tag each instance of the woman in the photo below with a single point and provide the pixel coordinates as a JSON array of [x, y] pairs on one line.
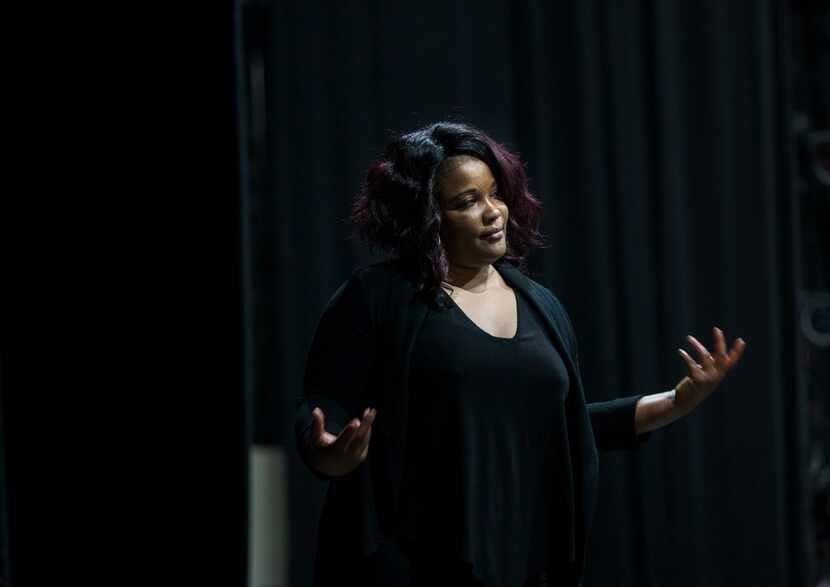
[[462, 374]]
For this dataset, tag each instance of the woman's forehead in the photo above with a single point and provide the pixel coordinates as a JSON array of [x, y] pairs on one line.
[[463, 171], [451, 164]]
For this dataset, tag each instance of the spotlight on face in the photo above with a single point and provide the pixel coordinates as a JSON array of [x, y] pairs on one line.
[[474, 216]]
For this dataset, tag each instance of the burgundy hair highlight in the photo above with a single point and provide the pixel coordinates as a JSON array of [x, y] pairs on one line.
[[397, 211]]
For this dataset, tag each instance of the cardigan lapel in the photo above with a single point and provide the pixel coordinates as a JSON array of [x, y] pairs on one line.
[[518, 280], [400, 310], [582, 451]]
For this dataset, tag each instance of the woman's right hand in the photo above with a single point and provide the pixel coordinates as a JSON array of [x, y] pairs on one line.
[[337, 455]]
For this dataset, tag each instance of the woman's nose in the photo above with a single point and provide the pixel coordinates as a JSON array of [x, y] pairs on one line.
[[491, 209]]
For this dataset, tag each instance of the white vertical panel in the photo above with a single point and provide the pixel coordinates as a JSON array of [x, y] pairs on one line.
[[268, 523]]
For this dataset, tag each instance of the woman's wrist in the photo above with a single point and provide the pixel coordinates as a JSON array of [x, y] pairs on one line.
[[686, 396], [660, 409]]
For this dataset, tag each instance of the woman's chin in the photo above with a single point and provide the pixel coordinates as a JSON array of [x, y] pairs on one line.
[[494, 252]]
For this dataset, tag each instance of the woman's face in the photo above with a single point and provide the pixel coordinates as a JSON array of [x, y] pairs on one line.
[[472, 208]]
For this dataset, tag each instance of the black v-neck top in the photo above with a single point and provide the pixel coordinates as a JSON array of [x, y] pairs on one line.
[[487, 441], [362, 355]]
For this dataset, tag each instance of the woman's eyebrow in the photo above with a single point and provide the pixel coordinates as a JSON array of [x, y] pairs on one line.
[[472, 191], [465, 192]]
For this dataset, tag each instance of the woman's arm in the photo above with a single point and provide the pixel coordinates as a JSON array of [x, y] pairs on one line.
[[336, 371], [612, 423], [659, 409]]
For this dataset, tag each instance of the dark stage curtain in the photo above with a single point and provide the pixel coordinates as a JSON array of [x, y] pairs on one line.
[[656, 135]]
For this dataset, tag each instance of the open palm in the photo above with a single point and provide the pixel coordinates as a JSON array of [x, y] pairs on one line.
[[706, 373]]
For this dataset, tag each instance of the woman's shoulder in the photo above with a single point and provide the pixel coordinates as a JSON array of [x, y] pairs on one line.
[[517, 276], [375, 284], [376, 268], [534, 288], [384, 273]]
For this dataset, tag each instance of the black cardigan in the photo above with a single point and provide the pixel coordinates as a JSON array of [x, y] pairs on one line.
[[359, 357]]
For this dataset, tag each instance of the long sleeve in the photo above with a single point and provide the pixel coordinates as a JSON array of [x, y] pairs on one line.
[[337, 367], [613, 424]]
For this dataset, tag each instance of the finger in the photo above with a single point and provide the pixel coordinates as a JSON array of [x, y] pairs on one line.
[[356, 438], [737, 351], [705, 358], [360, 448], [720, 342], [357, 442], [318, 425], [320, 437], [365, 452], [347, 434], [690, 362]]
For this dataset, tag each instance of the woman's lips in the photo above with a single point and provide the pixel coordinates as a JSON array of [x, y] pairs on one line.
[[496, 236]]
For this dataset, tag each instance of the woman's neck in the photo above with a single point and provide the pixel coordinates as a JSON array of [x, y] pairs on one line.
[[472, 279]]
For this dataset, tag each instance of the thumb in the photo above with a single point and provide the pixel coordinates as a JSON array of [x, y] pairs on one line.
[[318, 426]]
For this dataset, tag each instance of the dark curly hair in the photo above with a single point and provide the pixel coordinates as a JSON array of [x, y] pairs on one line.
[[397, 210]]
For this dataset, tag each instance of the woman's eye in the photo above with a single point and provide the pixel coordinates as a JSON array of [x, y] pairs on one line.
[[468, 203]]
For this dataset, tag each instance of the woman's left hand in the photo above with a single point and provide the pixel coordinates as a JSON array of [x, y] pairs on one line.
[[705, 375]]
